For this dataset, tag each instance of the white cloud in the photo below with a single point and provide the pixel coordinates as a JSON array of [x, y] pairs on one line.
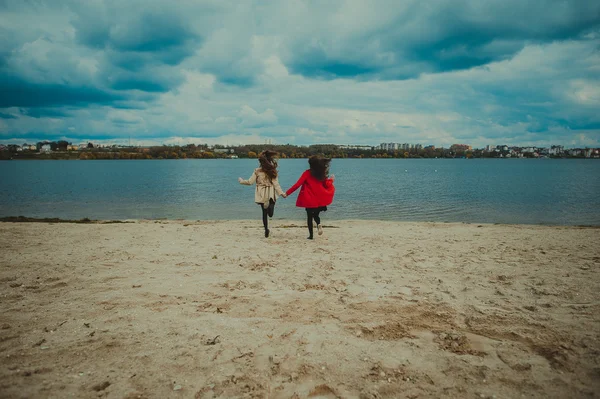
[[252, 119], [584, 92]]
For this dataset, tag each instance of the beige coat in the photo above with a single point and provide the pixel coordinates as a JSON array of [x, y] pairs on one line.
[[265, 187]]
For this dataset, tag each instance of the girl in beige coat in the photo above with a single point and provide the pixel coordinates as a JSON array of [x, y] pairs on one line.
[[267, 186]]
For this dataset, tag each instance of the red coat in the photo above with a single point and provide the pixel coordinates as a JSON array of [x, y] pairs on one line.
[[314, 193]]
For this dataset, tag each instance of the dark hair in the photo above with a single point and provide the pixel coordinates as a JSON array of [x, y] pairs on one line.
[[319, 167], [268, 164]]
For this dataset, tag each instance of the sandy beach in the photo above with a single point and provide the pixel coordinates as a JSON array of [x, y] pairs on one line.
[[178, 309]]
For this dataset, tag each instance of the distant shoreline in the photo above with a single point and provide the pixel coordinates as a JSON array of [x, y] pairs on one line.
[[64, 150], [26, 219], [200, 159]]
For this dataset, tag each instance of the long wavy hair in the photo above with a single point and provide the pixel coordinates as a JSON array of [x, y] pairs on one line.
[[319, 167], [268, 163]]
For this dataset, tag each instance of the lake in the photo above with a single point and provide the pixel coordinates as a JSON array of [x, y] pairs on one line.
[[530, 191]]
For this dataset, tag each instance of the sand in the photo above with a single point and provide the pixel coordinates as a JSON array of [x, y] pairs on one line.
[[175, 309]]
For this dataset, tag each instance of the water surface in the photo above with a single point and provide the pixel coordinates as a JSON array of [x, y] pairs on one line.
[[532, 191]]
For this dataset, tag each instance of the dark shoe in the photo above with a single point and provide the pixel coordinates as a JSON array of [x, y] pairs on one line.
[[309, 238], [266, 232]]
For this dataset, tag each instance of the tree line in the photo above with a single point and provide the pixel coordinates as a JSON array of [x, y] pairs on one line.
[[203, 151]]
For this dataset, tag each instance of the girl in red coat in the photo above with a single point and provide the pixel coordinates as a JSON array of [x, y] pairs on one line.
[[316, 193]]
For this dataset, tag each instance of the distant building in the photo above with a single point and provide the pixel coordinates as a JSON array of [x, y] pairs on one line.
[[45, 148], [556, 150], [460, 147], [398, 146], [355, 147], [388, 146], [224, 150]]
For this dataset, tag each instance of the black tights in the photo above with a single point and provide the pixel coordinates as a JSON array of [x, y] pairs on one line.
[[267, 212], [312, 214]]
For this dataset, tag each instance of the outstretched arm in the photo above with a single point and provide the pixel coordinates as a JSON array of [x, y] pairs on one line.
[[300, 181], [248, 182], [329, 182]]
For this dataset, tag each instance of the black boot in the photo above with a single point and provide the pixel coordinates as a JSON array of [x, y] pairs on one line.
[[271, 208], [309, 223]]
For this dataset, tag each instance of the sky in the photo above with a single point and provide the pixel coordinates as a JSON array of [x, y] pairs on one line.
[[302, 72]]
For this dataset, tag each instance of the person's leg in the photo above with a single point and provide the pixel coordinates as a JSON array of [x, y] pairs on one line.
[[318, 220], [309, 222], [265, 219], [317, 217], [271, 208]]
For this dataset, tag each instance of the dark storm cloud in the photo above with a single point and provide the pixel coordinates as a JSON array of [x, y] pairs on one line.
[[302, 70], [7, 116], [438, 36], [18, 93], [45, 112], [150, 26]]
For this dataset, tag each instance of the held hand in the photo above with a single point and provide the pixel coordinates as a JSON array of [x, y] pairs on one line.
[[284, 195], [240, 179]]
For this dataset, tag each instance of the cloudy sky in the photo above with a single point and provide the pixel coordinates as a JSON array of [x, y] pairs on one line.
[[301, 71]]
